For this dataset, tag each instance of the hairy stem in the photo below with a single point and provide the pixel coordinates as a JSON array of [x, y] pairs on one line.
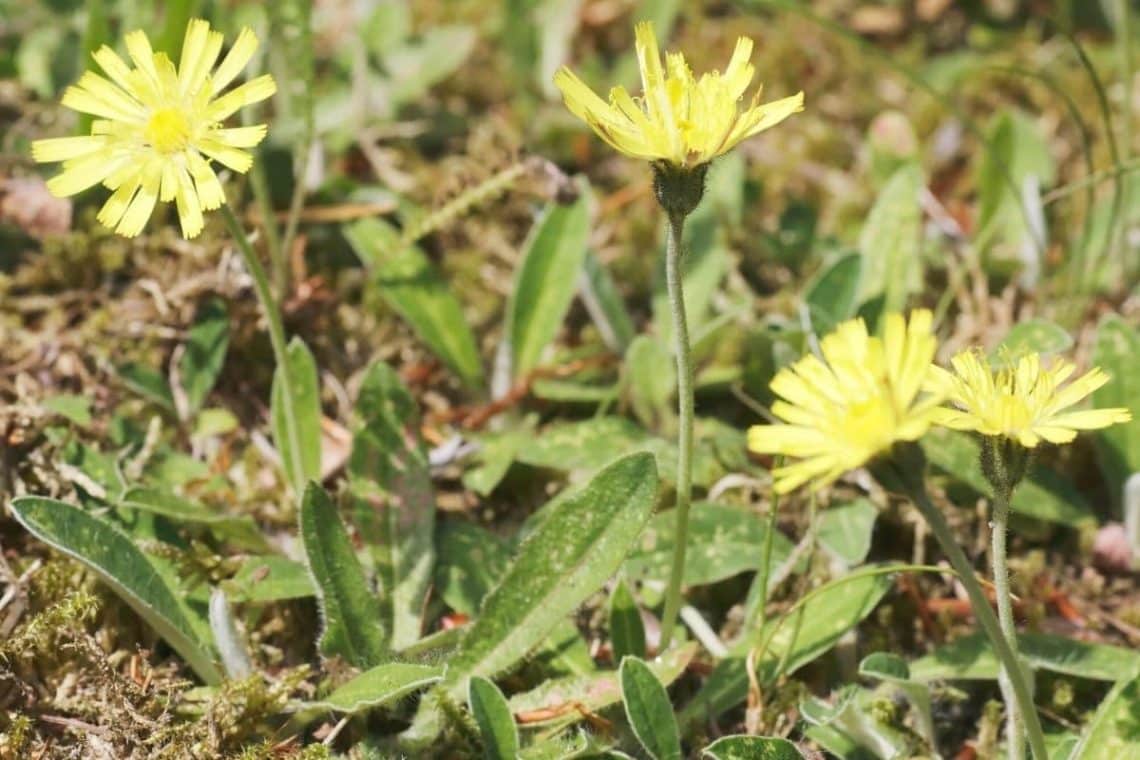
[[1018, 682], [1015, 742], [685, 425]]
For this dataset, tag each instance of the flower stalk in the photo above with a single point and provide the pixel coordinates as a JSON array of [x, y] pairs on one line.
[[1004, 463], [679, 191], [684, 426], [904, 470]]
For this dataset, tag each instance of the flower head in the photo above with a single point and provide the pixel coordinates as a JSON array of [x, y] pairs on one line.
[[158, 128], [1024, 402], [840, 411], [678, 119]]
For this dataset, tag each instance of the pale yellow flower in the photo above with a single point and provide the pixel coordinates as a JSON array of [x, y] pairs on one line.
[[841, 411], [158, 128], [678, 119], [1025, 402]]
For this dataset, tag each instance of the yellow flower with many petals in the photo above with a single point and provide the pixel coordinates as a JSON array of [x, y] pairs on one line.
[[841, 411], [1025, 402], [158, 128], [680, 120]]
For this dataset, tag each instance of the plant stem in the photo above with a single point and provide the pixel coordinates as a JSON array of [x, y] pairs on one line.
[[277, 339], [1000, 527], [684, 428], [1019, 684]]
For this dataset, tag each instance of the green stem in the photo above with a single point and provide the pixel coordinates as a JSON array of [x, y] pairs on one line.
[[1019, 684], [277, 339], [685, 426], [1000, 528]]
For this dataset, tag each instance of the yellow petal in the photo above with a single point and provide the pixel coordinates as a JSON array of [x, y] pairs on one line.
[[199, 52], [739, 73], [142, 204], [189, 207], [252, 91], [113, 66], [233, 158], [138, 48], [240, 137], [1090, 419], [65, 148], [83, 173], [243, 49]]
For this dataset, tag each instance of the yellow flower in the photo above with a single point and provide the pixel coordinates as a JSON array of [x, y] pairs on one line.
[[1024, 402], [678, 119], [158, 129], [864, 395]]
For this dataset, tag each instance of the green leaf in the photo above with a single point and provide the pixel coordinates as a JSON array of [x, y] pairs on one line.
[[472, 560], [650, 380], [394, 501], [411, 285], [853, 729], [723, 541], [493, 715], [73, 407], [380, 686], [546, 281], [1044, 495], [588, 445], [1031, 336], [1114, 732], [350, 624], [270, 578], [648, 710], [416, 66], [845, 531], [1118, 447], [148, 383], [554, 702], [970, 658], [751, 748], [831, 295], [111, 555], [161, 502], [797, 638], [1016, 163], [576, 549], [303, 465], [890, 241], [578, 545], [604, 304], [627, 631], [204, 353]]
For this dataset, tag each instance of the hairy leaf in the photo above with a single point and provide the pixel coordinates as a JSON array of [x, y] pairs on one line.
[[108, 552]]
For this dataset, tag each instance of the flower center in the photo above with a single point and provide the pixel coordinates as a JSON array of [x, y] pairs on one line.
[[869, 425], [168, 130], [1011, 414]]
